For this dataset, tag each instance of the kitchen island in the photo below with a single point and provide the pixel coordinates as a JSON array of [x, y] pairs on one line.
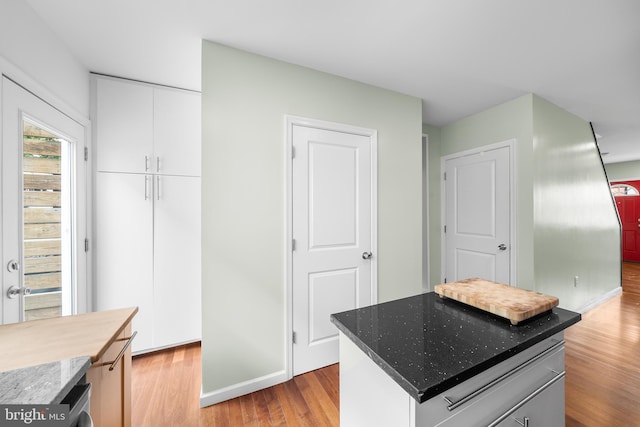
[[428, 361], [29, 350]]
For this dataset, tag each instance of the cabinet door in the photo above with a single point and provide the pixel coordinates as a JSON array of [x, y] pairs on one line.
[[177, 260], [124, 248], [111, 389], [123, 121], [176, 132]]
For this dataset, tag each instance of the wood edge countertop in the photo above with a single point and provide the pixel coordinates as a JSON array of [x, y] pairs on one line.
[[49, 340]]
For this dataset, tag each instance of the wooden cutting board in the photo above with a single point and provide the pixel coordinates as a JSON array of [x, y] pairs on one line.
[[505, 301]]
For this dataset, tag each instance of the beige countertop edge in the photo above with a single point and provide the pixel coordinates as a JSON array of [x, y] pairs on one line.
[[49, 340]]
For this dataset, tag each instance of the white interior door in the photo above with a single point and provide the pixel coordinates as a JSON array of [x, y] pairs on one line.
[[477, 216], [43, 209], [332, 230]]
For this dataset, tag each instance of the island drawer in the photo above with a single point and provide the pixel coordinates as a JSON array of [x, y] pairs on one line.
[[485, 397]]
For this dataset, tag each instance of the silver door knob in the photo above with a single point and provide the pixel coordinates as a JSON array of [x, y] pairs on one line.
[[502, 247], [14, 292], [366, 255]]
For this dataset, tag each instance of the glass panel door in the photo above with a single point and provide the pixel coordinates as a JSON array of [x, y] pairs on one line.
[[43, 209]]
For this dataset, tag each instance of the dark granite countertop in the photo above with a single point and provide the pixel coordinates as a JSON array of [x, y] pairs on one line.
[[428, 344], [42, 384]]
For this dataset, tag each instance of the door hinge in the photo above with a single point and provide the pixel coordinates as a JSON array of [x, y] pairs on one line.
[[86, 153], [293, 337], [86, 245], [445, 280], [293, 152], [293, 244]]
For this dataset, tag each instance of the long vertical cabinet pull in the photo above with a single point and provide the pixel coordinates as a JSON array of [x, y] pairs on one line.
[[146, 187], [157, 163], [147, 160], [157, 187]]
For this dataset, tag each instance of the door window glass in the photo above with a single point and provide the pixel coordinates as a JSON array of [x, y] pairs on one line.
[[624, 190], [47, 215]]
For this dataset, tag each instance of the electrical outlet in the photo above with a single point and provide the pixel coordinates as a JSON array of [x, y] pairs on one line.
[[576, 280]]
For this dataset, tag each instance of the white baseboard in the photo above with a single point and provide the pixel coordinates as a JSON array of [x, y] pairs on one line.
[[240, 389], [601, 299]]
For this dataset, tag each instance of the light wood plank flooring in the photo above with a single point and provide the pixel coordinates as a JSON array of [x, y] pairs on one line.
[[602, 382]]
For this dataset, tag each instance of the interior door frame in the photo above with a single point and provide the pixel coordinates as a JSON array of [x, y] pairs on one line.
[[84, 299], [511, 144], [372, 134]]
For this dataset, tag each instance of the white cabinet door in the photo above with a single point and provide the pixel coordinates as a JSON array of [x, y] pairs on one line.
[[177, 260], [124, 249], [177, 131], [123, 120]]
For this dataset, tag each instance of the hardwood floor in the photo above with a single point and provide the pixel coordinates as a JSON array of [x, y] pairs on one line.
[[602, 382], [603, 365], [166, 392], [631, 277]]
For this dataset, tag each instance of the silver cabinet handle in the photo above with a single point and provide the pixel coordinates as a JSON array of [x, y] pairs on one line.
[[146, 187], [157, 163], [146, 163], [524, 422], [119, 356], [527, 399], [453, 405], [157, 187]]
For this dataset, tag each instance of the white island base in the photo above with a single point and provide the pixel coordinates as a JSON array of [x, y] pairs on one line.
[[524, 390]]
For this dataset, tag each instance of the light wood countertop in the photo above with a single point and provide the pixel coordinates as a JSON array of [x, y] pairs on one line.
[[42, 341]]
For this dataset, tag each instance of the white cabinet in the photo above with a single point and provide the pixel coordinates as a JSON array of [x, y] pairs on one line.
[[147, 210], [123, 125], [176, 120], [176, 267], [143, 128], [124, 249]]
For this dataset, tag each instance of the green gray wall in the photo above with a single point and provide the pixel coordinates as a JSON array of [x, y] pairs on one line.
[[576, 230], [245, 98], [566, 224], [623, 171]]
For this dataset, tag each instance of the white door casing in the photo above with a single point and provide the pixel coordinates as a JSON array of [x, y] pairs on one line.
[[477, 203], [19, 105], [332, 223]]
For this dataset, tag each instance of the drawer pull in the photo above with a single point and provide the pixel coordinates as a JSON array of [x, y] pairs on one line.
[[524, 422], [526, 400], [453, 405], [119, 356]]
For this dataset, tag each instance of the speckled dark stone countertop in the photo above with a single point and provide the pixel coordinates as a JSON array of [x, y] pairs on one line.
[[42, 384], [428, 344]]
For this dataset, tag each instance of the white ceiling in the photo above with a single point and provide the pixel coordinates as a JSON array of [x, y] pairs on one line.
[[458, 56]]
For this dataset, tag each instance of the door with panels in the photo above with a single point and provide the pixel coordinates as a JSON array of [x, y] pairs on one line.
[[477, 215], [333, 234]]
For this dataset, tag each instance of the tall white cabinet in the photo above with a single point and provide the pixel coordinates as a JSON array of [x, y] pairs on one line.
[[147, 208]]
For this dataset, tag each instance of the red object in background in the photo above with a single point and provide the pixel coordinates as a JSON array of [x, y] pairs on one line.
[[629, 212]]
